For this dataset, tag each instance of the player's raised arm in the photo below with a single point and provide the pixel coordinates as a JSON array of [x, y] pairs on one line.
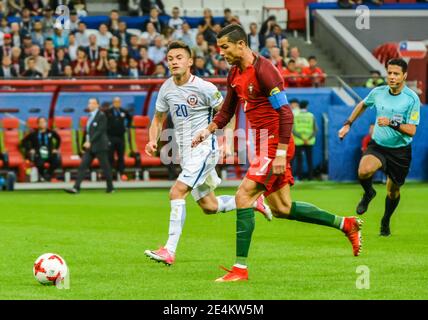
[[155, 132]]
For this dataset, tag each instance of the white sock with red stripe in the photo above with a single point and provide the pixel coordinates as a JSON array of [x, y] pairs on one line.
[[176, 223]]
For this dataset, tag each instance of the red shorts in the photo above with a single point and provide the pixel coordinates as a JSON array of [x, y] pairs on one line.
[[261, 172]]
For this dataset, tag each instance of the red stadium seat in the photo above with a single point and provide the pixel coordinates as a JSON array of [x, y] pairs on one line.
[[32, 123], [11, 142], [140, 135], [69, 157]]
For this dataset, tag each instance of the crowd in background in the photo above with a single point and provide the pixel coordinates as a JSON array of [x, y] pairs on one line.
[[35, 48]]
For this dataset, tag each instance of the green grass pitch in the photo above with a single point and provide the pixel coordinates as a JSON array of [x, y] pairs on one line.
[[103, 237]]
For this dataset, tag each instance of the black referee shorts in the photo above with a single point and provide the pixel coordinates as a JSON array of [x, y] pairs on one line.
[[395, 161]]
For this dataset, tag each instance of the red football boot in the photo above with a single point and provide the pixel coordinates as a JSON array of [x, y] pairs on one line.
[[236, 274], [352, 230], [161, 255]]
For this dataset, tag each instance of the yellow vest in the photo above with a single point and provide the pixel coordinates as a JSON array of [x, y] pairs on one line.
[[304, 127]]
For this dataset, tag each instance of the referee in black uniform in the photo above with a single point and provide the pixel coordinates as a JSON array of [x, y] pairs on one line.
[[118, 122]]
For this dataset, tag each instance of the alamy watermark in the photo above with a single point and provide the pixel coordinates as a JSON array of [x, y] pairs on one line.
[[362, 21], [363, 280]]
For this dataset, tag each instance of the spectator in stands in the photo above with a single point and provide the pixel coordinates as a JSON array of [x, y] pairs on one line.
[[6, 70], [206, 27], [82, 35], [212, 59], [150, 34], [37, 35], [74, 21], [154, 19], [222, 68], [17, 61], [291, 75], [157, 53], [102, 64], [199, 68], [68, 72], [27, 43], [15, 7], [35, 6], [123, 35], [201, 48], [41, 64], [229, 18], [113, 70], [270, 43], [133, 71], [49, 51], [314, 76], [72, 47], [26, 23], [276, 59], [60, 38], [31, 70], [146, 65], [123, 63], [147, 5], [6, 49], [48, 21], [113, 22], [42, 147], [93, 49], [16, 33], [80, 8], [375, 80], [103, 36], [168, 34], [114, 48], [95, 146], [134, 47], [160, 71], [278, 34], [58, 65], [176, 22], [81, 67], [4, 26], [254, 37], [186, 35], [118, 123], [266, 29], [304, 132], [301, 62]]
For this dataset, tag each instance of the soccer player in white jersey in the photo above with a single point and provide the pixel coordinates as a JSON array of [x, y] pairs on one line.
[[191, 102]]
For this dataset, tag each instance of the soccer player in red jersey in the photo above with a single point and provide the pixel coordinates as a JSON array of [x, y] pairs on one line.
[[257, 85]]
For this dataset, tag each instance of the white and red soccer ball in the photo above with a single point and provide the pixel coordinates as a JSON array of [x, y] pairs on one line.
[[50, 268]]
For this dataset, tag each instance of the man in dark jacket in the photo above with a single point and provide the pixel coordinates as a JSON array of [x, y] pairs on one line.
[[96, 145], [41, 147], [118, 122]]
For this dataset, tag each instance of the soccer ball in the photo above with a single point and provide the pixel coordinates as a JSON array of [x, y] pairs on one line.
[[49, 268]]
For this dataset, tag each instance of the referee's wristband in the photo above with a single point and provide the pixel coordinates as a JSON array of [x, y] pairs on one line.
[[394, 125], [281, 153]]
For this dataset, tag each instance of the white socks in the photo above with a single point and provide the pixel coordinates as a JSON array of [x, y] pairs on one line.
[[176, 223], [226, 203]]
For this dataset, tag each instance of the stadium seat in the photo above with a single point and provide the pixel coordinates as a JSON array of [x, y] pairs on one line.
[[69, 156], [32, 123], [140, 137], [11, 142]]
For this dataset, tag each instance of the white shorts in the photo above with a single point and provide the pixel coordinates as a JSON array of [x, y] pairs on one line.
[[198, 171]]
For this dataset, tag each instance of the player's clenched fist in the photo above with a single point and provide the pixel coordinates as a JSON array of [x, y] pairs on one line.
[[200, 137], [151, 148]]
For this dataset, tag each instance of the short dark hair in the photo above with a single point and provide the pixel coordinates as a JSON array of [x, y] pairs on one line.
[[234, 33], [376, 72], [398, 62], [312, 58], [179, 45]]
